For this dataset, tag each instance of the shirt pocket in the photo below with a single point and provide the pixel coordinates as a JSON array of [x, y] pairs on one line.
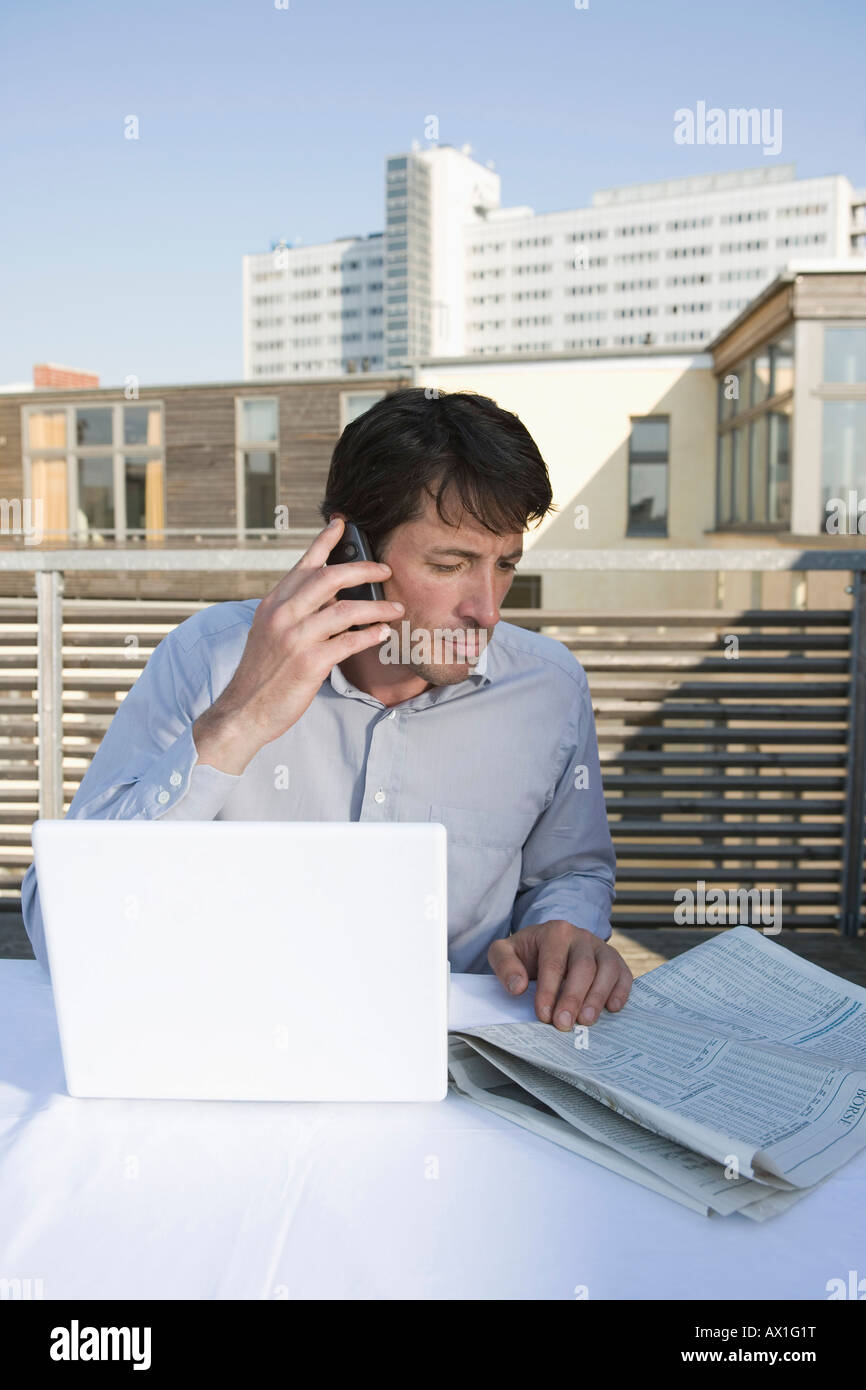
[[491, 829]]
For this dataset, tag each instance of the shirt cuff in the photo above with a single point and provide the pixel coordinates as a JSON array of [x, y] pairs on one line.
[[559, 904], [177, 787]]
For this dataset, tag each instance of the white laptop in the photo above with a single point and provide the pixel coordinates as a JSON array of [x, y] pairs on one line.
[[242, 960]]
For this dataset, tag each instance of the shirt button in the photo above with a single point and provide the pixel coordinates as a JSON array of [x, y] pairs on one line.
[[175, 779], [163, 797], [393, 714], [380, 796]]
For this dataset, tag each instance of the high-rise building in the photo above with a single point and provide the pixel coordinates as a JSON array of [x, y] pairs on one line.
[[439, 193], [367, 303], [456, 274]]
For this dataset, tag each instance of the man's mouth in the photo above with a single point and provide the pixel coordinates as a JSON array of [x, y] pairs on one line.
[[469, 642]]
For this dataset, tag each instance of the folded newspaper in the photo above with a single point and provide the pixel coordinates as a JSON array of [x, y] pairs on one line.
[[734, 1080]]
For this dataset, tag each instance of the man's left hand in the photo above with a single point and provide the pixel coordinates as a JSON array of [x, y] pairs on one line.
[[578, 974]]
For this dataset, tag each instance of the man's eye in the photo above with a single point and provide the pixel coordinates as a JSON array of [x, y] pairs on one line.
[[450, 569]]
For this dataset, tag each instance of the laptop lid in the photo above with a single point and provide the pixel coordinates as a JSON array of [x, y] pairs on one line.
[[242, 960]]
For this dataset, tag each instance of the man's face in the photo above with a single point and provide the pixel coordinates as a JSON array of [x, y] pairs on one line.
[[452, 580]]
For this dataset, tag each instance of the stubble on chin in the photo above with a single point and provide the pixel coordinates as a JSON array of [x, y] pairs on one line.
[[452, 674]]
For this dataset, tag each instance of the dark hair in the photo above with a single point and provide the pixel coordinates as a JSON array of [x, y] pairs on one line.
[[459, 440]]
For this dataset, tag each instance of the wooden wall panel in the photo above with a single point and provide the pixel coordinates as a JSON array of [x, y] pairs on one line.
[[200, 473]]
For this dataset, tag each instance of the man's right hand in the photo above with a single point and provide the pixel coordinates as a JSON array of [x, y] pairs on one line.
[[299, 633]]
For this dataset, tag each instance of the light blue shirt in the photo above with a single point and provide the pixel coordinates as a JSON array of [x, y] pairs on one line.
[[506, 760]]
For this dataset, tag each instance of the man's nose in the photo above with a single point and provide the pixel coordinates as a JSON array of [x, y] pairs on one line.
[[481, 603]]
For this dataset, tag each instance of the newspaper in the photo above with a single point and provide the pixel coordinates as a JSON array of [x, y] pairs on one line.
[[595, 1132], [733, 1080]]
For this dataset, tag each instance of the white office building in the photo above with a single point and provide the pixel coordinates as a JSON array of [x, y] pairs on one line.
[[365, 303], [307, 310], [455, 274]]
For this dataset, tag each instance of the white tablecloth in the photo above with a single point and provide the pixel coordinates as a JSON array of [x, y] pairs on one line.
[[220, 1200]]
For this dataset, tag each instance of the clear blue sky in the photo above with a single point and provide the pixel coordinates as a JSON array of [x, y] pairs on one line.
[[125, 256]]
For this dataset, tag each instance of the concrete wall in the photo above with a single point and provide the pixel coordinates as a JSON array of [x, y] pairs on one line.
[[579, 414]]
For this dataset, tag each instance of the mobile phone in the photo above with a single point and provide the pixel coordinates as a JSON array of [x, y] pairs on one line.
[[353, 545]]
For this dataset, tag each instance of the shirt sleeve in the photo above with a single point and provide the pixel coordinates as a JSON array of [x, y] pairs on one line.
[[145, 767], [569, 865]]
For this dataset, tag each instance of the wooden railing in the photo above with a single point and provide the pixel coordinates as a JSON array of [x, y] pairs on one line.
[[724, 742], [733, 743]]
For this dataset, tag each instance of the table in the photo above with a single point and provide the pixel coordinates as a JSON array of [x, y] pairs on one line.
[[252, 1200]]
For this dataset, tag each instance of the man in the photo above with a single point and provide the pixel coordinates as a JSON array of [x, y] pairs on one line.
[[275, 709]]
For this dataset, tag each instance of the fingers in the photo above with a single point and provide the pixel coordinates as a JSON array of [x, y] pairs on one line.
[[323, 584], [313, 558], [622, 989], [311, 567], [296, 597], [347, 643], [556, 941], [578, 974], [507, 965], [337, 616], [590, 981], [317, 553]]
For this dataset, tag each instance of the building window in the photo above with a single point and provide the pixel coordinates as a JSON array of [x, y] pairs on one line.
[[758, 482], [782, 353], [96, 493], [525, 592], [753, 471], [845, 355], [94, 426], [142, 487], [648, 477], [260, 489], [843, 452], [142, 424], [843, 416], [762, 377], [257, 427], [724, 479], [355, 403], [98, 469], [258, 420], [779, 466]]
